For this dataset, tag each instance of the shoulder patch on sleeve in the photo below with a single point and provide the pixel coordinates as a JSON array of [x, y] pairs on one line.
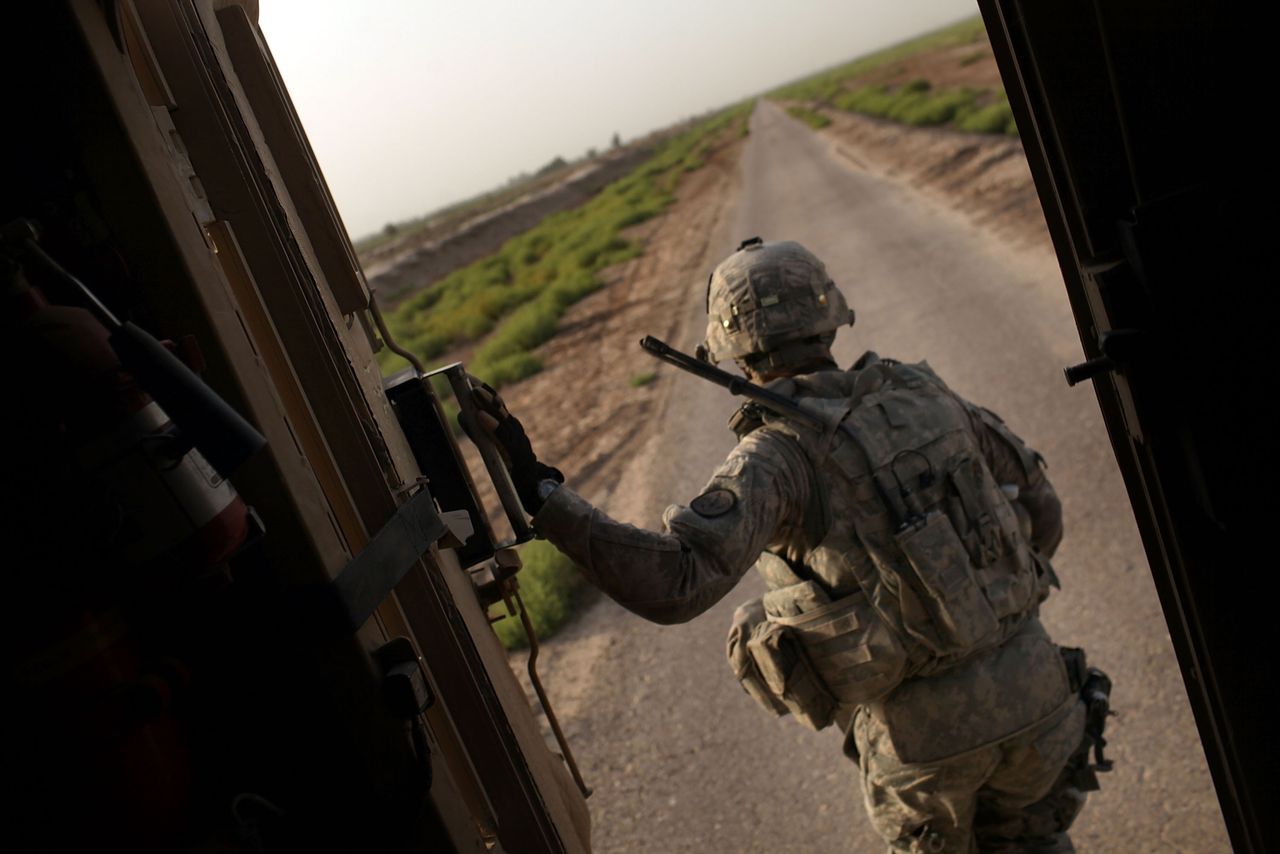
[[713, 503]]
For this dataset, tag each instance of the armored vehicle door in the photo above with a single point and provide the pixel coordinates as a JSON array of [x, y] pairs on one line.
[[1140, 122]]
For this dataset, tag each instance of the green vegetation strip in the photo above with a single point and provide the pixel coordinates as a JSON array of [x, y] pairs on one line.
[[915, 103], [548, 586], [826, 84], [513, 299], [813, 119]]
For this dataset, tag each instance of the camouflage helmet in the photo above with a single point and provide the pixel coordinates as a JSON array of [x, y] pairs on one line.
[[772, 303]]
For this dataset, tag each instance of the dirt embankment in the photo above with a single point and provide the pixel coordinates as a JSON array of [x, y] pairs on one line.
[[985, 177], [419, 264]]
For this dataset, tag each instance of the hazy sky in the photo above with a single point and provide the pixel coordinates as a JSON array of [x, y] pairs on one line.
[[411, 104]]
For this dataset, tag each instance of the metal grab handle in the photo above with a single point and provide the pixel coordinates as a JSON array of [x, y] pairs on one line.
[[1119, 348], [460, 383], [542, 696], [505, 588]]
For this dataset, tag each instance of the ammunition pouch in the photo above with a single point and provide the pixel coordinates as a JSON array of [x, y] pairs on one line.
[[789, 675], [746, 621], [961, 613], [812, 655]]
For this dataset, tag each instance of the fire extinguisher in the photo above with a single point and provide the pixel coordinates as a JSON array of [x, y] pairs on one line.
[[172, 501], [162, 517]]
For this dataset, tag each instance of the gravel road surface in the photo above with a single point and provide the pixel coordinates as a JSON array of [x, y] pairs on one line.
[[679, 757]]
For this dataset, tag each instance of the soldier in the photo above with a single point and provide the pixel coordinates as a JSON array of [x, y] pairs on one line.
[[906, 555]]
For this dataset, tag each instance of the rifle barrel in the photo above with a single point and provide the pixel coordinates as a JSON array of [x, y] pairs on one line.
[[735, 385]]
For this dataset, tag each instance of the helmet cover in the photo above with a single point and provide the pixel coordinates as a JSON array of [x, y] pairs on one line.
[[766, 295]]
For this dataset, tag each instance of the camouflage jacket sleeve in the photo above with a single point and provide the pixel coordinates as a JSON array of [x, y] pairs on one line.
[[756, 498], [1012, 462]]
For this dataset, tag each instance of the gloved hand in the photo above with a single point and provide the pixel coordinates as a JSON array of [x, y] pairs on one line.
[[508, 434]]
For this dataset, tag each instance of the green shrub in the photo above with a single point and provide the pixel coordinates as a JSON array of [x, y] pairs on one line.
[[527, 327], [911, 104], [506, 370], [871, 100], [936, 109], [993, 118], [642, 379], [548, 582], [812, 118]]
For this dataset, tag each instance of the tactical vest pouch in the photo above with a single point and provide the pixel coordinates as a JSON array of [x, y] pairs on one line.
[[790, 676], [849, 649], [794, 599], [746, 620], [960, 612]]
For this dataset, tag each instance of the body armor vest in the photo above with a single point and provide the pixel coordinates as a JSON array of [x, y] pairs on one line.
[[913, 558]]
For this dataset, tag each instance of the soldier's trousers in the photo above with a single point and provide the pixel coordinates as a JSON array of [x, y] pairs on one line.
[[1019, 794]]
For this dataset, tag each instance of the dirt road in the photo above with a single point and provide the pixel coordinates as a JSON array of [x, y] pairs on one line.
[[680, 758]]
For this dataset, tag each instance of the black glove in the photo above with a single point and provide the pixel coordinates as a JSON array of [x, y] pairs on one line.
[[508, 434]]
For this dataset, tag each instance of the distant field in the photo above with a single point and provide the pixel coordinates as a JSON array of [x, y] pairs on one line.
[[448, 218], [943, 79]]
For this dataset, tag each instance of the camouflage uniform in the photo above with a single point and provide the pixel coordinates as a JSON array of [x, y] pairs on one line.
[[976, 748]]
